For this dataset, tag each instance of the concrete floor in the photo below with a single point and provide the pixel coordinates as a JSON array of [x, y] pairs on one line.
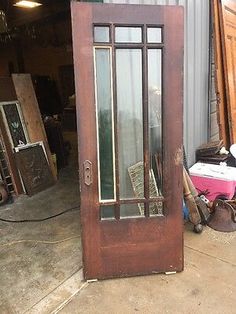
[[33, 260], [207, 285], [44, 275]]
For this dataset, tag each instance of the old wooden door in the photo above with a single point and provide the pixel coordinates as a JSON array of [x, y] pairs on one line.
[[128, 69], [228, 26], [222, 111]]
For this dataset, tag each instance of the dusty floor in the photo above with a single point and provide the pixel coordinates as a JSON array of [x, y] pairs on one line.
[[44, 275]]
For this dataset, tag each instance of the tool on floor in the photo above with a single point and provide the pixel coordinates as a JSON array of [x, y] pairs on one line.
[[202, 207], [194, 215], [223, 217]]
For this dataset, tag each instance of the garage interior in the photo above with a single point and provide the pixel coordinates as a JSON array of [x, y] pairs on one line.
[[41, 261], [37, 43]]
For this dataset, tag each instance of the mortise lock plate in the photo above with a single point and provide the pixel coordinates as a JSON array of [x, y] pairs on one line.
[[88, 178]]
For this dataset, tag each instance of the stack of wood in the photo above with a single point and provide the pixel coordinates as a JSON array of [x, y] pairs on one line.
[[210, 153], [224, 21]]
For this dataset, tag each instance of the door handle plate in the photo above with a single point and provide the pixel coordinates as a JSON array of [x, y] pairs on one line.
[[88, 177]]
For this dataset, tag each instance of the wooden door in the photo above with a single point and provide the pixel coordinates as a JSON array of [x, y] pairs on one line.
[[222, 114], [129, 86], [228, 26]]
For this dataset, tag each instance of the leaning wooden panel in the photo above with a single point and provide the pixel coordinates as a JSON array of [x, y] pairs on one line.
[[34, 168], [30, 109], [10, 159], [219, 77], [7, 94], [228, 37]]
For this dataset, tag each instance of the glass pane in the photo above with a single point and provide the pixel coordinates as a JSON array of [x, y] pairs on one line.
[[155, 118], [101, 34], [105, 124], [156, 209], [130, 119], [128, 34], [107, 212], [154, 35], [131, 210], [14, 123]]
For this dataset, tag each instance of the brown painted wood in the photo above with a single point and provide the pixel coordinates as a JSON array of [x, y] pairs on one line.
[[222, 115], [228, 37], [34, 169], [32, 117], [7, 90], [146, 155], [126, 247], [117, 206]]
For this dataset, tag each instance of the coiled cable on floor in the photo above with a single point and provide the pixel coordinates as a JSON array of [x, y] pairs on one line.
[[40, 219], [38, 241]]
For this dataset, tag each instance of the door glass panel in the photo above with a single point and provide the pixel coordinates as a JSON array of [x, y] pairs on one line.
[[101, 34], [155, 116], [154, 35], [128, 34], [130, 120], [105, 123], [107, 212], [131, 210]]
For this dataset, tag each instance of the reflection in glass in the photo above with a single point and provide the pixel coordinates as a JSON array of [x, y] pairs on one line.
[[156, 209], [136, 174], [154, 35], [128, 34], [105, 124], [101, 34], [107, 212], [155, 113], [131, 210], [130, 116]]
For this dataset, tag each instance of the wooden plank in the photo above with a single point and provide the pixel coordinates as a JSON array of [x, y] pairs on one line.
[[228, 38], [219, 77], [30, 109]]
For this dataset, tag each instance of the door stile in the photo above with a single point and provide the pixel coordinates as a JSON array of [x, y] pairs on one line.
[[172, 129], [86, 122]]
